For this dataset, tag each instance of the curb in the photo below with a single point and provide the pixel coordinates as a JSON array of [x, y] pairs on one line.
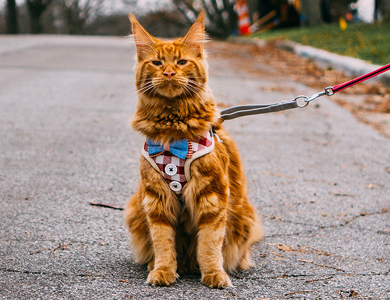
[[351, 66]]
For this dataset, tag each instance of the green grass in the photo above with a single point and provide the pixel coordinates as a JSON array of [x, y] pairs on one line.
[[369, 42]]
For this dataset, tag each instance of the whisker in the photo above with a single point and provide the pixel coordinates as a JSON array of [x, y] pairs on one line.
[[196, 93], [197, 87], [186, 91], [149, 90], [149, 85], [145, 79], [194, 81]]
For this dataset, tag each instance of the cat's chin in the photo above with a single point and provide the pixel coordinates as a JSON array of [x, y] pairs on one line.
[[170, 91]]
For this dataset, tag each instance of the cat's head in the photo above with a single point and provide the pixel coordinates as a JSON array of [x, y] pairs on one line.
[[172, 68]]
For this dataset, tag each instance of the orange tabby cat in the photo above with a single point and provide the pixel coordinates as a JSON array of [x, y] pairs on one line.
[[199, 220]]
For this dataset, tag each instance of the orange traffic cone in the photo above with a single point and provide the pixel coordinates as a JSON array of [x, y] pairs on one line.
[[243, 17]]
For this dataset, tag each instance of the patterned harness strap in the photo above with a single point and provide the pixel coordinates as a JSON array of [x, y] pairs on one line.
[[175, 170]]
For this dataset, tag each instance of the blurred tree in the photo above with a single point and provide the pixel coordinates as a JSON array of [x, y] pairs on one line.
[[222, 18], [77, 13], [265, 7], [12, 17], [311, 9], [35, 9], [115, 24], [131, 3], [160, 19], [164, 23], [326, 13], [382, 9], [339, 8], [133, 7]]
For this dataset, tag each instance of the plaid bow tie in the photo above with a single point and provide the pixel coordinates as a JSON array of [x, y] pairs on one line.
[[178, 148]]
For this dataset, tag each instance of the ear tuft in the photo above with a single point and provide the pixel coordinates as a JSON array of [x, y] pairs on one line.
[[143, 40], [132, 18], [201, 17], [196, 36]]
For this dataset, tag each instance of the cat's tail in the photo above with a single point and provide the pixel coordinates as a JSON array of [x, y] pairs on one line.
[[257, 233]]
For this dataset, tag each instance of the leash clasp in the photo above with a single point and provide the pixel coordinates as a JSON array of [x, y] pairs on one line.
[[328, 92]]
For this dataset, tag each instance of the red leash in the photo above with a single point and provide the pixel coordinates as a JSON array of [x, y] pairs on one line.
[[357, 80], [255, 109]]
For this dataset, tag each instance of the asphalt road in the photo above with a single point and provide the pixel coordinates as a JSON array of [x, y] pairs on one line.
[[319, 178]]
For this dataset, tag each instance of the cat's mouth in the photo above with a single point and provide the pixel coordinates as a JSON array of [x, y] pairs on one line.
[[170, 88], [170, 84]]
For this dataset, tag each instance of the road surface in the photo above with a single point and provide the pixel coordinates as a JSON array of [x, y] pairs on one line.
[[319, 178]]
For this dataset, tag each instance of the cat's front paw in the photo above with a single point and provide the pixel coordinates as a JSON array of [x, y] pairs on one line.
[[218, 279], [161, 277]]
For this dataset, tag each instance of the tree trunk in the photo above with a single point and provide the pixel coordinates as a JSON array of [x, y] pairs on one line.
[[35, 9], [386, 9], [12, 17], [312, 11], [382, 6], [35, 22], [220, 13]]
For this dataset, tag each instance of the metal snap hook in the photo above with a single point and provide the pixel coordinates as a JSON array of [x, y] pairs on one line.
[[304, 104]]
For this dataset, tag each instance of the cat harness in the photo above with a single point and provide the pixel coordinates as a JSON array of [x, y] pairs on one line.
[[173, 161]]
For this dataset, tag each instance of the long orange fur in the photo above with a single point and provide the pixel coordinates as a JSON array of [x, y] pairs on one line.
[[211, 226]]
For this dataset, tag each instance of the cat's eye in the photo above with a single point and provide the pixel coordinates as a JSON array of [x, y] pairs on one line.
[[182, 62], [157, 63]]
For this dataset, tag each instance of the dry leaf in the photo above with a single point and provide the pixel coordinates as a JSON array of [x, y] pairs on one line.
[[124, 280], [278, 175], [306, 261], [372, 186], [285, 248], [277, 254]]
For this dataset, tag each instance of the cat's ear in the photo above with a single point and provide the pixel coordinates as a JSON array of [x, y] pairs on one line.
[[143, 40], [196, 36]]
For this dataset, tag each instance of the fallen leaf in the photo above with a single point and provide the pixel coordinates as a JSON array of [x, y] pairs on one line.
[[285, 248], [278, 175], [306, 261], [319, 279], [371, 186], [350, 293], [277, 254], [381, 259]]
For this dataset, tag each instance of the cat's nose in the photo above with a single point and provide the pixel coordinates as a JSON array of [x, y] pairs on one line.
[[169, 74]]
